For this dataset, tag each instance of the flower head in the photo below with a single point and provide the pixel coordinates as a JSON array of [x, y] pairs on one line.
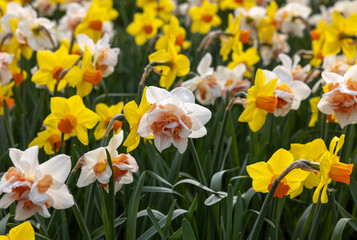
[[204, 17], [35, 186], [106, 114], [265, 173], [261, 101], [173, 118], [71, 117], [50, 140]]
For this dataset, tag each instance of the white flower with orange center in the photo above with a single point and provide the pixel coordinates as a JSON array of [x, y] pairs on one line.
[[341, 96], [206, 86], [35, 186], [231, 80], [97, 168], [173, 118], [104, 57], [288, 92], [5, 74]]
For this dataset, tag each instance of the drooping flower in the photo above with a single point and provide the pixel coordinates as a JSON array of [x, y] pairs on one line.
[[206, 87], [144, 26], [265, 173], [22, 231], [332, 169], [97, 167], [261, 101], [133, 115], [35, 186], [173, 64], [85, 76], [204, 17], [49, 139], [51, 66], [340, 97], [71, 117], [106, 114], [173, 118]]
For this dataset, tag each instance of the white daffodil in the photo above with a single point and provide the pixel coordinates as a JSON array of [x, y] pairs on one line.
[[289, 92], [5, 74], [231, 80], [291, 68], [44, 7], [291, 17], [35, 186], [341, 96], [251, 17], [278, 45], [104, 57], [97, 168], [205, 86], [173, 118]]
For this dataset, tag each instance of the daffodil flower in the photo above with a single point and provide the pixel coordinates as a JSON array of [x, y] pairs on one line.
[[332, 169], [35, 186], [24, 231], [71, 117], [265, 173], [106, 114], [50, 140], [204, 17], [261, 101], [97, 168]]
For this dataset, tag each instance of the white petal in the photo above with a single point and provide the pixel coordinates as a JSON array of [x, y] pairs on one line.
[[162, 142], [7, 199], [324, 106], [83, 40], [183, 94], [269, 75], [58, 167], [199, 115], [330, 77], [203, 66], [155, 94], [104, 177], [95, 156], [351, 73], [198, 133], [283, 74], [86, 177], [22, 214], [115, 142], [144, 129], [286, 60], [118, 186], [126, 179], [61, 198], [180, 144], [132, 163], [300, 89]]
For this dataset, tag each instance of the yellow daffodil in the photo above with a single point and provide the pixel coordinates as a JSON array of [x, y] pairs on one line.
[[50, 140], [314, 111], [266, 27], [318, 38], [312, 152], [339, 35], [106, 114], [332, 169], [173, 64], [265, 173], [175, 31], [234, 37], [133, 114], [71, 117], [204, 17], [144, 26], [5, 94], [17, 75], [249, 58], [163, 9], [51, 66], [85, 76], [24, 231], [261, 101], [234, 4]]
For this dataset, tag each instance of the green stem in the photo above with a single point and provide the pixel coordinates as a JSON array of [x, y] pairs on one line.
[[81, 222], [315, 221], [201, 176], [111, 205]]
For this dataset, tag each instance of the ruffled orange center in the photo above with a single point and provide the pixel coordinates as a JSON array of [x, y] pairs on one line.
[[352, 84], [96, 25], [179, 40], [56, 72], [67, 124], [18, 78], [267, 103], [147, 28], [283, 87], [44, 183], [118, 173], [207, 18], [341, 102], [315, 35], [55, 141], [92, 76], [340, 172], [9, 102], [282, 189], [209, 82], [100, 167], [244, 36]]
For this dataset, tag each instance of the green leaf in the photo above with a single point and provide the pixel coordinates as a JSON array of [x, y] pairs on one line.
[[158, 178], [340, 226], [133, 208], [3, 224], [158, 215], [345, 214], [151, 231], [214, 198], [187, 232], [99, 232], [196, 183], [298, 232], [353, 188], [265, 219], [159, 190], [238, 218], [156, 224]]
